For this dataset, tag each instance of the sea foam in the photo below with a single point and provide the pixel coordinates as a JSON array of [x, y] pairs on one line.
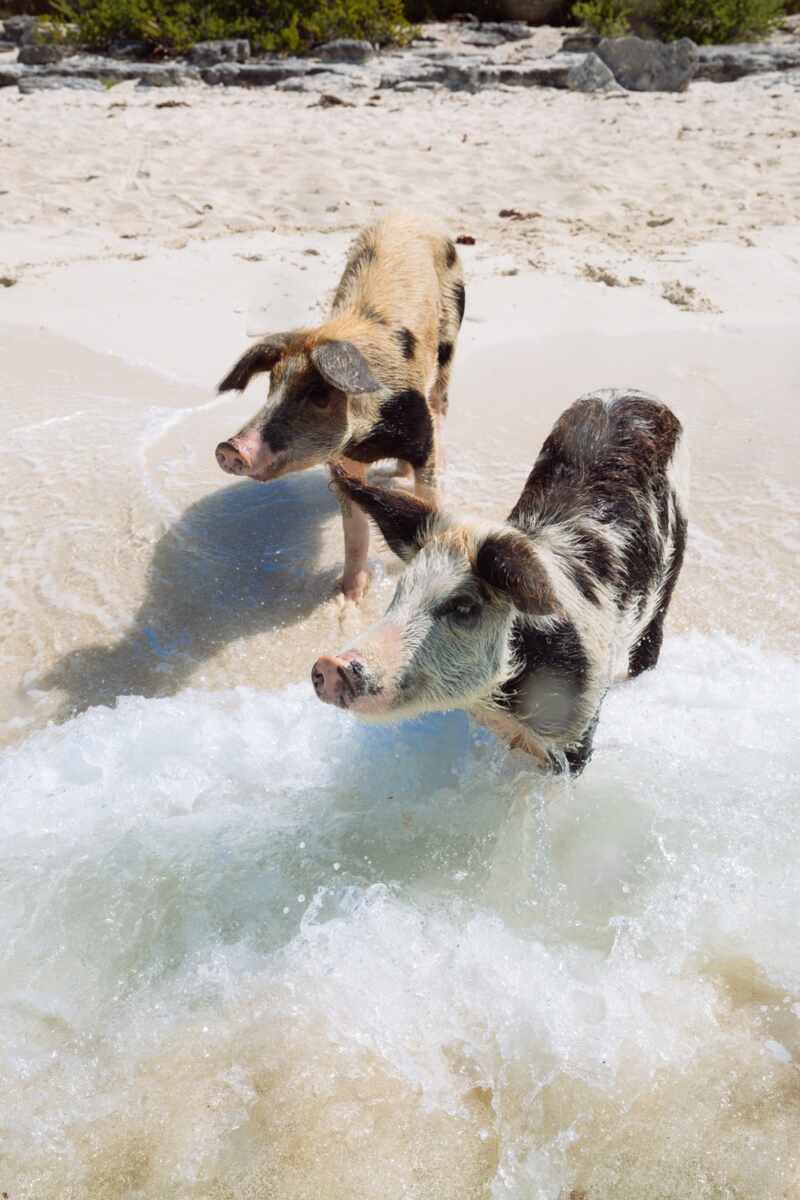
[[253, 948]]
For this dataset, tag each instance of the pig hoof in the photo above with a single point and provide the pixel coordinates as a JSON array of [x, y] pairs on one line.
[[353, 588]]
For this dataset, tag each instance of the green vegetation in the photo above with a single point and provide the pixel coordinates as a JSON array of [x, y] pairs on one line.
[[704, 21], [611, 18], [707, 21], [168, 27]]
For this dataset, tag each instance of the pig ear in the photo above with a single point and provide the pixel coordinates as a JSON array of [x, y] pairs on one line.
[[260, 357], [508, 563], [403, 520], [343, 366]]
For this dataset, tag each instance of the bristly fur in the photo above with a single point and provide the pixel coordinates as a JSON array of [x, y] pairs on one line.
[[528, 623], [369, 383]]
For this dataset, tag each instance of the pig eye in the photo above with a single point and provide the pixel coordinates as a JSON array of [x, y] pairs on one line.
[[320, 397], [462, 610]]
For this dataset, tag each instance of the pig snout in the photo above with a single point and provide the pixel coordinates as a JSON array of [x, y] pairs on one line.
[[246, 454], [339, 680], [231, 459]]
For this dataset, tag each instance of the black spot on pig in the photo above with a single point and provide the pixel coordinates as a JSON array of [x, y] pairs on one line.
[[644, 655], [408, 342], [403, 520], [404, 429], [545, 693], [596, 554], [583, 581], [445, 353]]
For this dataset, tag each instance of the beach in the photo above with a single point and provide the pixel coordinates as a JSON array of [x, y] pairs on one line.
[[652, 241]]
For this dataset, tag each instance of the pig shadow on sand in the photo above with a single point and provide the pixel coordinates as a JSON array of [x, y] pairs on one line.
[[235, 564]]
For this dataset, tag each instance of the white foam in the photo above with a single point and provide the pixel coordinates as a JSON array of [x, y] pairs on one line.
[[254, 949]]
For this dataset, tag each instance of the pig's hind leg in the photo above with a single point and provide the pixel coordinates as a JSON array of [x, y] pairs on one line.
[[355, 523]]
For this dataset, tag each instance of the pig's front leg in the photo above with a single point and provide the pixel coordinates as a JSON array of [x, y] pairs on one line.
[[355, 578], [426, 479]]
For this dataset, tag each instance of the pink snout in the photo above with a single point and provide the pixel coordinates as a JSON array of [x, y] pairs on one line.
[[232, 460], [339, 679], [246, 454]]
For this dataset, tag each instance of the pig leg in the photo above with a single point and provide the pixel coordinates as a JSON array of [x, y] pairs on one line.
[[355, 522], [426, 478]]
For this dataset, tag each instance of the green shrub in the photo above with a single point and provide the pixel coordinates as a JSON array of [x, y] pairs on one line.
[[704, 21], [172, 26], [610, 18], [707, 21]]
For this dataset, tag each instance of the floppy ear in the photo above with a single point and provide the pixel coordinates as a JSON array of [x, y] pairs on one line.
[[343, 366], [260, 357], [508, 562], [403, 520]]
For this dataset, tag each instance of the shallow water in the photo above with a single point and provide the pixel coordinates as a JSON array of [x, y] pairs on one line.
[[135, 567], [256, 949]]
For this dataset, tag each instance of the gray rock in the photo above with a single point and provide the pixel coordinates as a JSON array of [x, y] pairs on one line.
[[537, 72], [128, 51], [263, 74], [6, 47], [407, 86], [479, 37], [581, 42], [649, 66], [109, 71], [347, 50], [210, 54], [460, 73], [49, 83], [11, 74], [495, 33], [39, 54], [592, 75], [408, 70], [320, 81], [16, 28], [162, 74], [723, 64]]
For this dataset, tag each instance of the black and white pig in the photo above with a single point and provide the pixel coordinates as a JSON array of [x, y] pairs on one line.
[[526, 624], [368, 384]]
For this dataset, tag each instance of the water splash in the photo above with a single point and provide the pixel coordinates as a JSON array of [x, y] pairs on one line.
[[254, 949]]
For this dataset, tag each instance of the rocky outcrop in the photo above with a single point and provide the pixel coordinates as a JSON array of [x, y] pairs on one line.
[[431, 62], [592, 75], [724, 64], [496, 33], [11, 74], [39, 54], [18, 29], [209, 54], [640, 65], [51, 83], [345, 50]]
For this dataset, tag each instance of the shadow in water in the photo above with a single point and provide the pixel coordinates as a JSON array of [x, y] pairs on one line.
[[237, 563]]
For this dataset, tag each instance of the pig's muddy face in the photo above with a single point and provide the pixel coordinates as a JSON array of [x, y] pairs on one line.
[[443, 644], [302, 424]]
